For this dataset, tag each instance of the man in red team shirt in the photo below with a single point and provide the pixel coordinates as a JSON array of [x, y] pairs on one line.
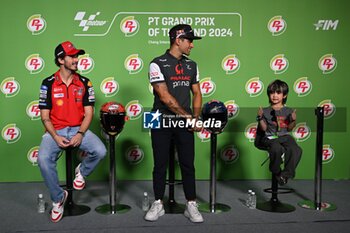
[[66, 106]]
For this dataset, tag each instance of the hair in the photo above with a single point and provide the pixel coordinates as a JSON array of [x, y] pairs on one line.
[[173, 31], [279, 87], [56, 60]]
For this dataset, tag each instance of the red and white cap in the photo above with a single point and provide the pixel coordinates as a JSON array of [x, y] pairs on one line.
[[67, 49]]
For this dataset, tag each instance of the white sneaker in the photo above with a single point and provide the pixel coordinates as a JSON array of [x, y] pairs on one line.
[[192, 212], [79, 181], [58, 208], [156, 210]]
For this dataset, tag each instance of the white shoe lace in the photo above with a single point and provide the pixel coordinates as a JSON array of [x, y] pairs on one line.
[[194, 208], [156, 207]]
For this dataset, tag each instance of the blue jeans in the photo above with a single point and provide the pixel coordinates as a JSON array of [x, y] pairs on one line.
[[48, 156]]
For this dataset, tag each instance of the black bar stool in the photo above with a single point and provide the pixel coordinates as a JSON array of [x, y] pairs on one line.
[[273, 205], [71, 209]]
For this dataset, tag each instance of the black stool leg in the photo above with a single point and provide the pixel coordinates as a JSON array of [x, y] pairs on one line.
[[171, 206], [213, 206], [70, 208], [274, 205]]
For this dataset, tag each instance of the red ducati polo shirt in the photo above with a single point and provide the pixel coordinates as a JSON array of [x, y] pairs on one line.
[[66, 103]]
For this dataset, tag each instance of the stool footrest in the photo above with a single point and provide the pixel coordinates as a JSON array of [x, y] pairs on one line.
[[279, 190]]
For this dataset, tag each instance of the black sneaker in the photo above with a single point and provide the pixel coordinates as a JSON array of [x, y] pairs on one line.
[[282, 180]]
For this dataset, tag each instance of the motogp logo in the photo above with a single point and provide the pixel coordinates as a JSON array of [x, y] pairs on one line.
[[32, 155], [230, 64], [327, 63], [229, 154], [328, 108], [133, 64], [204, 135], [34, 63], [327, 154], [33, 110], [109, 87], [250, 131], [301, 132], [85, 64], [36, 24], [129, 26], [302, 87], [10, 87], [232, 109], [134, 110], [207, 87], [10, 133], [279, 64], [134, 155], [277, 26], [254, 87]]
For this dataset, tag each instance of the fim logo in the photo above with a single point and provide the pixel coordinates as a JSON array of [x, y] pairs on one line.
[[326, 24], [152, 120], [89, 22]]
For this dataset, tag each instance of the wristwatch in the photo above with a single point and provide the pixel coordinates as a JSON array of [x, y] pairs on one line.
[[82, 133], [259, 118]]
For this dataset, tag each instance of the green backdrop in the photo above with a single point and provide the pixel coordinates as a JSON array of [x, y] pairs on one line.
[[245, 45]]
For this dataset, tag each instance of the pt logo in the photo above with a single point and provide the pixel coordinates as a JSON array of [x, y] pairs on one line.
[[34, 63], [36, 24], [11, 133], [129, 26], [328, 108], [90, 21], [152, 120], [229, 154], [232, 109], [250, 131], [10, 87], [279, 64], [32, 155], [134, 110], [207, 87], [204, 135], [302, 87], [254, 87], [327, 154], [301, 132], [327, 63], [230, 64], [109, 87], [33, 110], [277, 25], [133, 64], [85, 64], [134, 155]]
